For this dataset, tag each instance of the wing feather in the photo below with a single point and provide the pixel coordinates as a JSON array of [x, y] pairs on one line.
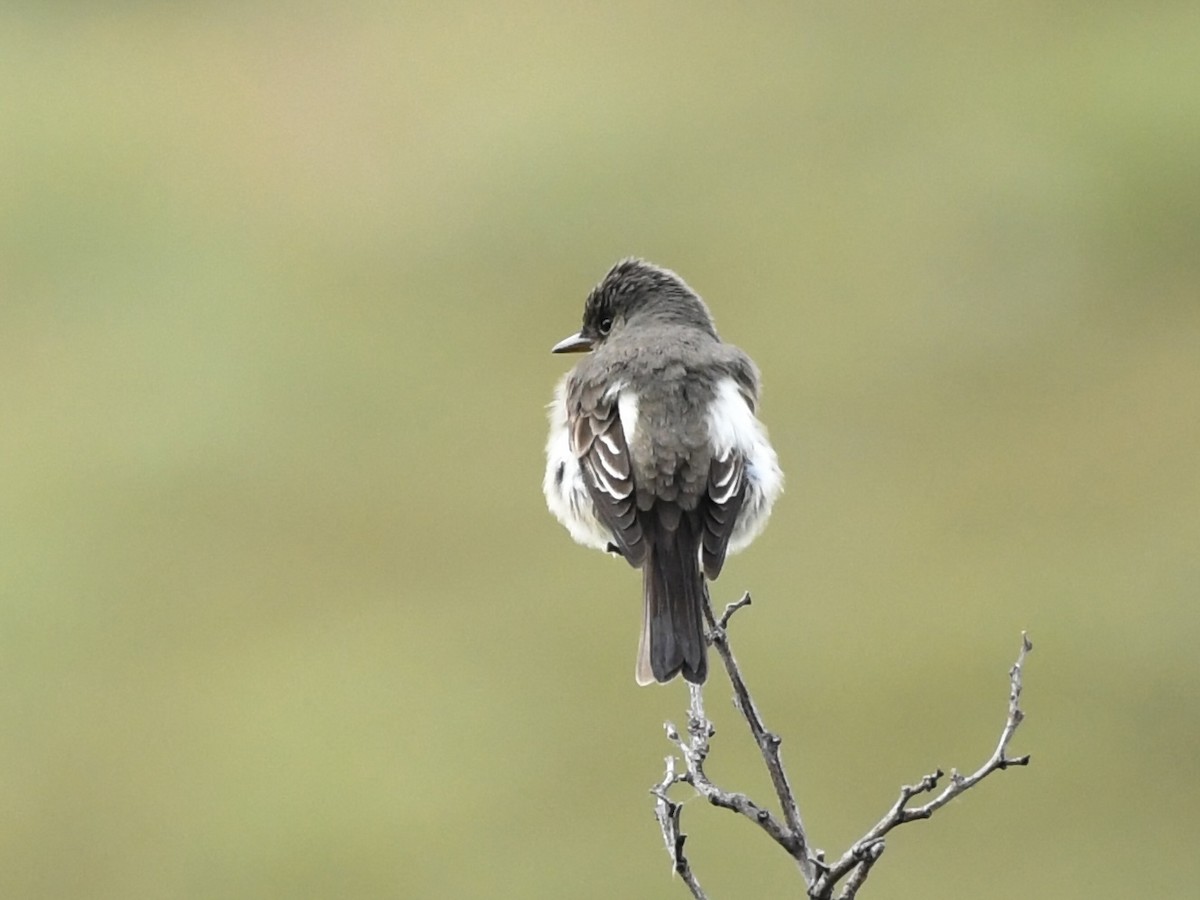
[[598, 440], [720, 507]]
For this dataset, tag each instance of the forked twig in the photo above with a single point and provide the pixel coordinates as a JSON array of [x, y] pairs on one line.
[[667, 812], [900, 813], [851, 870]]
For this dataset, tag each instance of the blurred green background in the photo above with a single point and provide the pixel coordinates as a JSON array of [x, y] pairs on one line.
[[282, 613]]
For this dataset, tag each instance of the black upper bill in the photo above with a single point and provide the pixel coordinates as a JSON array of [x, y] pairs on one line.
[[576, 343]]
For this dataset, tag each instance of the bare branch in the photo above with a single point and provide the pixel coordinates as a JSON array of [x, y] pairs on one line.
[[858, 875], [667, 812], [796, 842], [855, 865], [900, 813], [731, 608], [695, 750]]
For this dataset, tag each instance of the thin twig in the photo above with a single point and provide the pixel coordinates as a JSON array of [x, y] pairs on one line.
[[695, 750], [855, 865], [667, 812], [858, 876], [731, 608], [900, 813], [795, 841]]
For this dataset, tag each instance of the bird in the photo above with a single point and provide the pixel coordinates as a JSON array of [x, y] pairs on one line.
[[656, 453]]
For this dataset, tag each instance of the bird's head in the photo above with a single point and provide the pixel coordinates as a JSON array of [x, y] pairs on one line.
[[634, 294]]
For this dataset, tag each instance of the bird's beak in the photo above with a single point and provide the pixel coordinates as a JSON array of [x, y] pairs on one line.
[[576, 343]]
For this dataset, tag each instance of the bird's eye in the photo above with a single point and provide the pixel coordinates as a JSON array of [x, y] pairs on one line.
[[606, 325]]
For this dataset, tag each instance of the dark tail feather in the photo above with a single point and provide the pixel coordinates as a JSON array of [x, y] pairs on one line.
[[672, 640]]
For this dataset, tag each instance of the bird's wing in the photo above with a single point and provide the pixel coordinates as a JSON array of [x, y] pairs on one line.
[[720, 506], [599, 442]]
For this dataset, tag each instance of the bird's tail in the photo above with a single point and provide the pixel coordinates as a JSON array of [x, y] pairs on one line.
[[673, 588]]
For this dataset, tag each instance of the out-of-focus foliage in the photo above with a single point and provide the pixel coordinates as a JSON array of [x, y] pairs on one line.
[[281, 611]]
